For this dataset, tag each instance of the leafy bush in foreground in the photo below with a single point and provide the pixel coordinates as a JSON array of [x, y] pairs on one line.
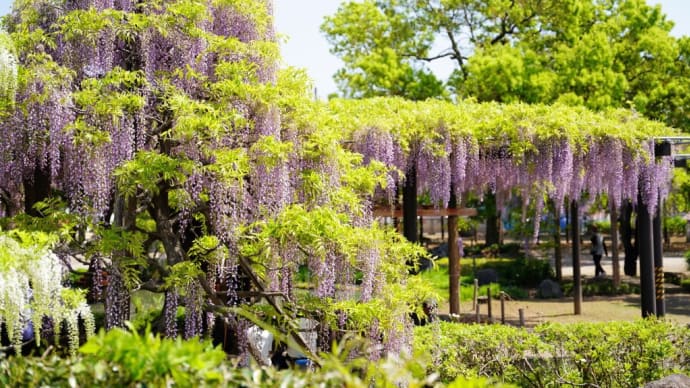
[[613, 354], [125, 359]]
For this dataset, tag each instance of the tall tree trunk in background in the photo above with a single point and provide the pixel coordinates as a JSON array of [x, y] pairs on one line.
[[493, 219], [453, 259]]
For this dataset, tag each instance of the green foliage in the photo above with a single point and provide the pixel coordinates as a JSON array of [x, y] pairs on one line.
[[270, 152], [687, 258], [466, 226], [122, 358], [602, 287], [148, 170], [604, 226], [127, 250], [586, 53], [207, 249], [182, 274], [8, 73], [685, 283], [125, 357], [520, 271], [377, 58], [675, 225], [438, 277], [519, 126], [613, 354]]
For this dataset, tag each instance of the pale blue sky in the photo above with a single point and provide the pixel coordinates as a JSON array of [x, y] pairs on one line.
[[299, 21]]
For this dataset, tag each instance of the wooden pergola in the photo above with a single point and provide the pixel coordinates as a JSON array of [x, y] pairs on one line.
[[559, 152]]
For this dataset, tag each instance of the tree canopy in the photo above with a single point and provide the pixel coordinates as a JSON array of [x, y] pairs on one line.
[[579, 52]]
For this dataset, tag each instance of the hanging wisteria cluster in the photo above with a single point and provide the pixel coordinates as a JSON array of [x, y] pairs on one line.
[[31, 291], [534, 151], [8, 70]]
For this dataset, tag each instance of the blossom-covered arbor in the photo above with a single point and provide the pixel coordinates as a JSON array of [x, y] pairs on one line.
[[537, 152]]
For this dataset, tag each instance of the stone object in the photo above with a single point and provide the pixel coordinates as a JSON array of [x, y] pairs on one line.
[[549, 289], [486, 276], [672, 381]]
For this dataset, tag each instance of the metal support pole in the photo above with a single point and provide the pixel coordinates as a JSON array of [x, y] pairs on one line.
[[658, 262], [645, 246], [577, 278], [615, 260]]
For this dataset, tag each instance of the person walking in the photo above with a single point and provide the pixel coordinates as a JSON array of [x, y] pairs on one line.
[[598, 250]]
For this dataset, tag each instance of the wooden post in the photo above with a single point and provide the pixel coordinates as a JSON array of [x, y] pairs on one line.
[[488, 301], [645, 245], [453, 260], [475, 294], [443, 228], [476, 311], [577, 278], [522, 317], [503, 307]]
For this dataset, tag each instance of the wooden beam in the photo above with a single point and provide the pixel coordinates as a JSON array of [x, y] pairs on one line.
[[397, 213]]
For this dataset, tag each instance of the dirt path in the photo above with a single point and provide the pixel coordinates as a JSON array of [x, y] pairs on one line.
[[594, 309]]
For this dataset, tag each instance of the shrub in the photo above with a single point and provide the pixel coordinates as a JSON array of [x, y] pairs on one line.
[[685, 285], [675, 225], [612, 354], [522, 272], [593, 287], [122, 358], [603, 225]]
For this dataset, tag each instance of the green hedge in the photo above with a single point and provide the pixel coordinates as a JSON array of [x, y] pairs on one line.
[[618, 354], [675, 225], [121, 358], [612, 354]]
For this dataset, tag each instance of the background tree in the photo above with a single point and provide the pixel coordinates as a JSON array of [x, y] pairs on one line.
[[597, 54]]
